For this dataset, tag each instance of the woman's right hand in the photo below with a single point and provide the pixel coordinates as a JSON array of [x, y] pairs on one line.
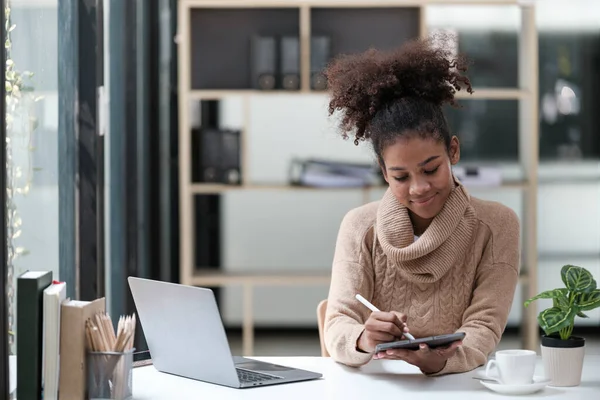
[[382, 327]]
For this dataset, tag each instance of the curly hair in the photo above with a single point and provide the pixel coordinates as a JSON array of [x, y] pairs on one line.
[[386, 95]]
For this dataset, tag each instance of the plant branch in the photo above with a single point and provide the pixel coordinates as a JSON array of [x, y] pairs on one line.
[[19, 127]]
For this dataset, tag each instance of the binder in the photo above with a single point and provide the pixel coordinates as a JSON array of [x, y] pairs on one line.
[[328, 173]]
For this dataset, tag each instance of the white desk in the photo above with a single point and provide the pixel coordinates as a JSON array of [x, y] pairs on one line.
[[379, 378]]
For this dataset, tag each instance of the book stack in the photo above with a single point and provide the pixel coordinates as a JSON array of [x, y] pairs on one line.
[[52, 343]]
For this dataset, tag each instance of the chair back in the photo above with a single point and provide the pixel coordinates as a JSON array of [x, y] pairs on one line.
[[321, 309]]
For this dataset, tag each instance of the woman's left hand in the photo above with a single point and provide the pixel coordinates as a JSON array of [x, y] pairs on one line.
[[428, 360]]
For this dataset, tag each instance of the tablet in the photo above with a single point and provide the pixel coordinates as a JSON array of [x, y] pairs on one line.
[[431, 341]]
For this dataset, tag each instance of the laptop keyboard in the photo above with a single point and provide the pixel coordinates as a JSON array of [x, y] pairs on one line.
[[247, 376]]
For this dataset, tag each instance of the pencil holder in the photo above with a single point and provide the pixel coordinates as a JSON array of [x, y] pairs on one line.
[[109, 375]]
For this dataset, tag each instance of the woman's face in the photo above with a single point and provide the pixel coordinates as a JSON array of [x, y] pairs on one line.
[[419, 173]]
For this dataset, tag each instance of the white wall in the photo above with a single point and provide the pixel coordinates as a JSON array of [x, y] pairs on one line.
[[293, 230], [269, 230]]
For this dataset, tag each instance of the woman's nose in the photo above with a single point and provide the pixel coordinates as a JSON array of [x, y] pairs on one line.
[[419, 187]]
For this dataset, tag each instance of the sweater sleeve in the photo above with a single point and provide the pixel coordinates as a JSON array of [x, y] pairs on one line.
[[485, 318], [352, 273]]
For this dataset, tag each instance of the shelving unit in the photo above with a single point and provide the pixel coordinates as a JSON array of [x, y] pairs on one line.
[[480, 94], [213, 64]]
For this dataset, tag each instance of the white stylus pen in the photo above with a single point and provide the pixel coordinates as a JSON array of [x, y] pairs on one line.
[[374, 309]]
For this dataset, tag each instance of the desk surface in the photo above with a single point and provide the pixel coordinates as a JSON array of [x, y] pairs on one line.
[[386, 378]]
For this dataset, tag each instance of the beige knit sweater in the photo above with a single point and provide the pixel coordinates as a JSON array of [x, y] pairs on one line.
[[460, 275]]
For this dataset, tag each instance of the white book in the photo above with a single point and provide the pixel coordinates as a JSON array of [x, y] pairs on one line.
[[54, 296], [478, 176]]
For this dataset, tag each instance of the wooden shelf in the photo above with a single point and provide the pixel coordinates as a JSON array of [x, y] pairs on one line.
[[214, 63], [478, 94], [523, 279], [346, 3], [201, 188], [493, 94], [221, 94], [210, 277]]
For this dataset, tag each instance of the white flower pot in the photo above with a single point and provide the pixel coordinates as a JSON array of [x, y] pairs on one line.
[[563, 360]]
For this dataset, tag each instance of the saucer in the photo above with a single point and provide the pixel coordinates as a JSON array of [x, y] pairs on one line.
[[539, 382]]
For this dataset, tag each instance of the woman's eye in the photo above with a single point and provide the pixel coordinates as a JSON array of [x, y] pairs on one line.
[[432, 171], [401, 178]]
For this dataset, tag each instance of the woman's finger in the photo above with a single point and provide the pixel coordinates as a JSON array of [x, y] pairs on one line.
[[381, 337], [401, 317], [401, 353], [385, 322], [387, 327], [382, 355], [448, 351]]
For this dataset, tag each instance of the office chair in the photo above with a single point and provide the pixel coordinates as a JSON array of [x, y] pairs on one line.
[[321, 309]]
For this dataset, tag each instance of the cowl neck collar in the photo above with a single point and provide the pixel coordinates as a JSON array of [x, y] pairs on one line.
[[442, 245]]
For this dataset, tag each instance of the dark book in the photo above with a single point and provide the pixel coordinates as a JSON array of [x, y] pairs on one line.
[[30, 314]]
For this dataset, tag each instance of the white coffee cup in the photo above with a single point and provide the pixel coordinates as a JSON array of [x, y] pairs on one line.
[[515, 367]]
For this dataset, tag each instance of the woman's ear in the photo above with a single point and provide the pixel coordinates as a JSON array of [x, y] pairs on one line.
[[454, 151]]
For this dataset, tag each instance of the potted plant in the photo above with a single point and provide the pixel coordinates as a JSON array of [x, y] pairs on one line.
[[563, 353]]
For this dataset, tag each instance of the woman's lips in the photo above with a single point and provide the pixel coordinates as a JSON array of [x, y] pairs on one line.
[[424, 201]]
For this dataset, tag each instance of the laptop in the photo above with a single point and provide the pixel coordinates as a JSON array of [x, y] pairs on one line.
[[186, 337]]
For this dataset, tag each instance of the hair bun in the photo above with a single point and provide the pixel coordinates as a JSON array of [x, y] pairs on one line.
[[362, 84]]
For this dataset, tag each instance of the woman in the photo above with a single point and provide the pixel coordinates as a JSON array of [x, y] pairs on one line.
[[428, 255]]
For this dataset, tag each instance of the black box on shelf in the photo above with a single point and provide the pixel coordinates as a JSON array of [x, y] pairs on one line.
[[216, 156]]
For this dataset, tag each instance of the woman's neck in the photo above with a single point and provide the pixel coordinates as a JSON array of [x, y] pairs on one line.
[[419, 224]]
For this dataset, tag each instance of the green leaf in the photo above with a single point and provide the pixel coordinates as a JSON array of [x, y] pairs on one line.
[[549, 294], [577, 279], [589, 301], [554, 319], [582, 315], [561, 302]]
